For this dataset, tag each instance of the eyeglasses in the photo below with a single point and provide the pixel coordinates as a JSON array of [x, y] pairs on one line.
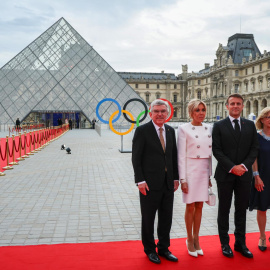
[[157, 112]]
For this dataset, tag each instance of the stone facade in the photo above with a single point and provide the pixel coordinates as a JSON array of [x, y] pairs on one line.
[[239, 67]]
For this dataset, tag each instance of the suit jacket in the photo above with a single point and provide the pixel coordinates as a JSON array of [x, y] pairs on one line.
[[229, 152], [193, 142], [149, 160]]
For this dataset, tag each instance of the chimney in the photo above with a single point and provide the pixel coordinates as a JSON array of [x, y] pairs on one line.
[[206, 65]]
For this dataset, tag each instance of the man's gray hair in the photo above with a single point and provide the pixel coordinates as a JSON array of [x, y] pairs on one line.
[[158, 102]]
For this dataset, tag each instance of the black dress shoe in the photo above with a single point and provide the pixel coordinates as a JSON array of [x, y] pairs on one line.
[[226, 250], [168, 255], [243, 250], [153, 257]]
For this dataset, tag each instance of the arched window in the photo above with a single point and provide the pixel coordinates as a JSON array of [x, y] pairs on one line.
[[199, 95]]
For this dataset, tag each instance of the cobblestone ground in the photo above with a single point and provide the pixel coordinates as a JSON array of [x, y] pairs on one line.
[[88, 196]]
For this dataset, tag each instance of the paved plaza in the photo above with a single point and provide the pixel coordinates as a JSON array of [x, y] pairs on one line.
[[88, 196]]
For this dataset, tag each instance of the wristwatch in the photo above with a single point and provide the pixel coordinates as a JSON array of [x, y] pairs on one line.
[[256, 173]]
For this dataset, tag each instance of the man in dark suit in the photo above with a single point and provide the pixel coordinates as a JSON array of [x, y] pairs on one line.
[[235, 147], [154, 159]]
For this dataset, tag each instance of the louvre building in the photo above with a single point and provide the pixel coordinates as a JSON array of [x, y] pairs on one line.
[[59, 75]]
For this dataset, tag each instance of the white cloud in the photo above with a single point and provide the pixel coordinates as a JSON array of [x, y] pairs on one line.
[[152, 37]]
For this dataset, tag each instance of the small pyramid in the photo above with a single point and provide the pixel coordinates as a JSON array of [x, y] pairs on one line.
[[60, 71]]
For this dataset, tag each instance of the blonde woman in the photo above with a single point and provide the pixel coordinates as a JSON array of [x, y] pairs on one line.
[[260, 191], [194, 166]]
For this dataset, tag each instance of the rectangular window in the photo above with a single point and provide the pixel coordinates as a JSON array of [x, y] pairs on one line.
[[199, 82], [246, 71], [158, 96], [206, 80], [175, 113], [147, 97], [246, 84], [253, 69], [175, 86], [136, 85], [268, 65], [157, 86], [147, 85], [236, 73], [260, 67], [174, 98], [236, 88]]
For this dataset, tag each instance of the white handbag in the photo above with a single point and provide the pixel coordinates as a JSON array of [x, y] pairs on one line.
[[211, 198]]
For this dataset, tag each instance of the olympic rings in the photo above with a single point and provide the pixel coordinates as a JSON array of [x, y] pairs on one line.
[[125, 112], [121, 133], [145, 111], [108, 99]]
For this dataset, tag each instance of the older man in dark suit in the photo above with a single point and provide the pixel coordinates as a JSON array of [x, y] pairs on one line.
[[154, 158], [235, 147]]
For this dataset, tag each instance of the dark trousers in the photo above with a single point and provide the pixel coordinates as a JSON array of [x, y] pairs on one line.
[[241, 192], [160, 201]]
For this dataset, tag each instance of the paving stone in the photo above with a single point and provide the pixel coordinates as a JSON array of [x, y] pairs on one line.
[[88, 196]]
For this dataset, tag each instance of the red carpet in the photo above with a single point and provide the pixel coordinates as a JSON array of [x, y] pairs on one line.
[[129, 255]]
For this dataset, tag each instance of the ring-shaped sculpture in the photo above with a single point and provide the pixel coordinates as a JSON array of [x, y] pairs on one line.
[[108, 99], [138, 118], [145, 111], [121, 133]]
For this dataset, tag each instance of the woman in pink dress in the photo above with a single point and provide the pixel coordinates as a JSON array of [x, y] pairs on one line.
[[195, 168]]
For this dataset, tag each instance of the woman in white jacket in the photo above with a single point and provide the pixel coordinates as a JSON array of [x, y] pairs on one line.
[[194, 145]]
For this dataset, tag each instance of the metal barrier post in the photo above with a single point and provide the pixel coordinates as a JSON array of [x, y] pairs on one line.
[[13, 149], [25, 145]]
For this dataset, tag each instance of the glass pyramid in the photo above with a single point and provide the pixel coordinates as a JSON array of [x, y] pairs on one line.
[[60, 71]]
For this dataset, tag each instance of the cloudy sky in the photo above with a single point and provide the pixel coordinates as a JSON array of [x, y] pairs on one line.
[[139, 35]]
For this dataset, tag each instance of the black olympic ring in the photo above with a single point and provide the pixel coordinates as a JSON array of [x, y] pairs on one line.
[[145, 111]]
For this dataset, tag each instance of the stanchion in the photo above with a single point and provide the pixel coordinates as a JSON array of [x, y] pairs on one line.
[[30, 152], [20, 143], [7, 150], [25, 145], [13, 149]]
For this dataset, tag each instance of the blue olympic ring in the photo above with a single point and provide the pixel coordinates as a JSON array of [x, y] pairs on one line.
[[108, 99]]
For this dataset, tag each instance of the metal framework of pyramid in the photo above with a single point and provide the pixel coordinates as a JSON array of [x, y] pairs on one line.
[[60, 71]]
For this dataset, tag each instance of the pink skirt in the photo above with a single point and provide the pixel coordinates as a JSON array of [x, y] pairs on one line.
[[198, 180]]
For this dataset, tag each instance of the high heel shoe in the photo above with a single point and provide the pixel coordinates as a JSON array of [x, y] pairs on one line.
[[191, 253], [200, 252], [262, 244]]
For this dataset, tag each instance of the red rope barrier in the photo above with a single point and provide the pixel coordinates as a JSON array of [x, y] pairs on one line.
[[11, 151], [17, 150], [5, 156]]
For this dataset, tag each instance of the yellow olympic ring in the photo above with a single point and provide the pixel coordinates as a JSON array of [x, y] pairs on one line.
[[111, 126]]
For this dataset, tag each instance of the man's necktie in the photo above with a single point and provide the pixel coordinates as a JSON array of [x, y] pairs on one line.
[[237, 129], [161, 138]]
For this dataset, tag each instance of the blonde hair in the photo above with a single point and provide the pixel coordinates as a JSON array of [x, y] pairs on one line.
[[263, 113], [194, 104]]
